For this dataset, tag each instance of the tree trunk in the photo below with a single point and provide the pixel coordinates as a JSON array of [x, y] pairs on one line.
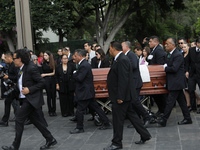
[[61, 36], [9, 42]]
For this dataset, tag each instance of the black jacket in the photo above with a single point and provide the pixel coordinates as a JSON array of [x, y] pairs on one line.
[[135, 68], [84, 82], [175, 73], [60, 77], [32, 79], [158, 56], [104, 64], [120, 82], [193, 62]]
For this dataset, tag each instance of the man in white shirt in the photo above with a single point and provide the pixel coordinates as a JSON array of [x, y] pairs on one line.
[[88, 47]]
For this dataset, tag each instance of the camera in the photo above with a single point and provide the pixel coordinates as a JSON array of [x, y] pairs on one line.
[[10, 87], [2, 72]]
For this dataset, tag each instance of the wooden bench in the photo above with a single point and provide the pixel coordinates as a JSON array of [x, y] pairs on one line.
[[156, 86]]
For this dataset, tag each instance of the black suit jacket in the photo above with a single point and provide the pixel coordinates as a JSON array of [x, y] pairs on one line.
[[104, 64], [70, 57], [135, 67], [119, 80], [193, 62], [60, 77], [158, 56], [175, 73], [13, 72], [84, 82], [32, 79]]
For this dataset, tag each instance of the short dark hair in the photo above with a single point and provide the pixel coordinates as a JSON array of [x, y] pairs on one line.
[[138, 47], [8, 53], [173, 40], [24, 55], [89, 44], [155, 38], [117, 45], [81, 52], [182, 38]]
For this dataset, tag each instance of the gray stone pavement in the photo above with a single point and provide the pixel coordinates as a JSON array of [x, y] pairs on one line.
[[171, 137]]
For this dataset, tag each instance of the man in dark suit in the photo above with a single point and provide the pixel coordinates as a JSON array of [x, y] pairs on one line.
[[30, 84], [12, 75], [138, 81], [157, 57], [176, 82], [193, 72], [85, 92], [68, 53], [121, 89]]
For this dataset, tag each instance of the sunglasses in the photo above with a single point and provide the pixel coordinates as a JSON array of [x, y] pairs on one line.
[[180, 43]]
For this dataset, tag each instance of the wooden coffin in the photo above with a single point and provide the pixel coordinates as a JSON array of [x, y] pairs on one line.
[[155, 86]]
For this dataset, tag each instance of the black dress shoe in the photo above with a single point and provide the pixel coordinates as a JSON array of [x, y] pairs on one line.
[[9, 148], [4, 124], [185, 121], [76, 131], [106, 126], [161, 122], [146, 123], [198, 111], [50, 114], [49, 144], [113, 147], [73, 119], [130, 126], [142, 141]]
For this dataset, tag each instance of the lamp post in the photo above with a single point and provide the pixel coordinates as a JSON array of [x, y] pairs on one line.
[[24, 30]]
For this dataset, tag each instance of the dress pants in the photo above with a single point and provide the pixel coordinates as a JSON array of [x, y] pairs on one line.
[[50, 86], [66, 103], [119, 113], [27, 110], [160, 101], [137, 106], [8, 101], [81, 107], [180, 97], [192, 81]]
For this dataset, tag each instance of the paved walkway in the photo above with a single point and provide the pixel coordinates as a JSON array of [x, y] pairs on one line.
[[171, 137]]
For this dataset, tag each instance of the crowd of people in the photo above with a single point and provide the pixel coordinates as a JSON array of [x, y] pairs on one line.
[[71, 76]]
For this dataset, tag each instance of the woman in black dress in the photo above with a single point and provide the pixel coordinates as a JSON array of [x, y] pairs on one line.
[[48, 73], [65, 84]]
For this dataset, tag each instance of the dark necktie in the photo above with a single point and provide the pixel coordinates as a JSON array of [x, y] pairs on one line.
[[77, 66], [169, 55]]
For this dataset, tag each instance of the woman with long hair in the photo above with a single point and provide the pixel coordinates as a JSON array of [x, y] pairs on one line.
[[48, 73], [65, 84], [101, 61], [145, 54]]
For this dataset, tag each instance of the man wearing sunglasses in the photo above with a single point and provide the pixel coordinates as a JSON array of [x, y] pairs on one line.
[[181, 41]]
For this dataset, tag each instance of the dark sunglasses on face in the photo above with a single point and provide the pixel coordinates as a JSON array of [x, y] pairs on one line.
[[180, 43]]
